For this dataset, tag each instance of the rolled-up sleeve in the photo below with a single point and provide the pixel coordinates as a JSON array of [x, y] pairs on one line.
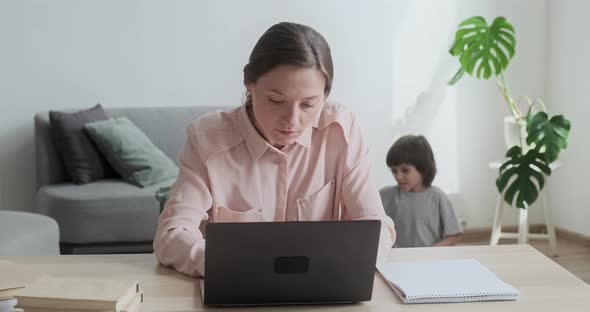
[[179, 242], [360, 195]]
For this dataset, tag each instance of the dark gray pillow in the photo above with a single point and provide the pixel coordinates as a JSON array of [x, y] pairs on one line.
[[130, 152], [82, 160]]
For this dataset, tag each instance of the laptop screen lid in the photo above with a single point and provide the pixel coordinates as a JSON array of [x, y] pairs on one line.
[[290, 262]]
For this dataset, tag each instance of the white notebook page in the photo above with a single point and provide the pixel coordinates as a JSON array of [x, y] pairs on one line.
[[446, 281]]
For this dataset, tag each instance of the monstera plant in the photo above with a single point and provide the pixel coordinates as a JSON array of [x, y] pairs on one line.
[[484, 51]]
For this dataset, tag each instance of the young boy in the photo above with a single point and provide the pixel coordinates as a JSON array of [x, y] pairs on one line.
[[422, 213]]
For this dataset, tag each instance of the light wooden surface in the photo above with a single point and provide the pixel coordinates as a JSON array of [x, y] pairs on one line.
[[573, 250], [544, 285]]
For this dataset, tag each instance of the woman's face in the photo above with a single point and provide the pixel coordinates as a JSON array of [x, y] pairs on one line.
[[285, 102]]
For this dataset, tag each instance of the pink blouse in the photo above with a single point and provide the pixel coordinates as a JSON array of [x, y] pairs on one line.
[[229, 173]]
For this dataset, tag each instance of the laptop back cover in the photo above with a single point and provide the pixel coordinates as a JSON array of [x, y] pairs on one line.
[[290, 262]]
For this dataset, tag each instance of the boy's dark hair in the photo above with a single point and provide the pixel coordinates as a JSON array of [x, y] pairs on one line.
[[416, 151]]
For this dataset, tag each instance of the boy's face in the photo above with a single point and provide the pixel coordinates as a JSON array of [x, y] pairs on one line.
[[408, 178]]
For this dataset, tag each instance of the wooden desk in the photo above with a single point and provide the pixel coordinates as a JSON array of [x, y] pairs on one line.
[[544, 285]]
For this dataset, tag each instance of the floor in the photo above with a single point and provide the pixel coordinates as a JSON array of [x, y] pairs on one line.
[[572, 255]]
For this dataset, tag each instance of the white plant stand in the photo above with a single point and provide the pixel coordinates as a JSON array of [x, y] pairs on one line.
[[523, 234]]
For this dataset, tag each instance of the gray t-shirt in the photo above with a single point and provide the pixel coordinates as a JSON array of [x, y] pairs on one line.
[[421, 218]]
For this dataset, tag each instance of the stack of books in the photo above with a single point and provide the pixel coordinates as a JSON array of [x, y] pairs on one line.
[[53, 294], [13, 279]]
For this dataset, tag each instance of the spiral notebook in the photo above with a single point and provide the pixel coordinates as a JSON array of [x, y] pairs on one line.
[[463, 280]]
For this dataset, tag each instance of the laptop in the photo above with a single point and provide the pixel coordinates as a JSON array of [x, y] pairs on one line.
[[276, 263]]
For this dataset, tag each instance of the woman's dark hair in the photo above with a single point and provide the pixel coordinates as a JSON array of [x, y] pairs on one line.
[[416, 151], [290, 44]]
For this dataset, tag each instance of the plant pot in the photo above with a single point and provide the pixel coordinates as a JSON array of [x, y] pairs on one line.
[[515, 133]]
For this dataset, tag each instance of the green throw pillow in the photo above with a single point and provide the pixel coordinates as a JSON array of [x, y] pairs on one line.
[[130, 152]]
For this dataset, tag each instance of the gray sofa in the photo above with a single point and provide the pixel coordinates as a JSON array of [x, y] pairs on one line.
[[108, 216]]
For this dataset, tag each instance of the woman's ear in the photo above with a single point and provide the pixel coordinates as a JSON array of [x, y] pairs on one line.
[[249, 87]]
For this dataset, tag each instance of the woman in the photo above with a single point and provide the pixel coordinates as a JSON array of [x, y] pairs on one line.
[[285, 155]]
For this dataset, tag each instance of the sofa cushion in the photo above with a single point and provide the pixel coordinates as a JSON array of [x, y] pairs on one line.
[[104, 211], [82, 161], [131, 152]]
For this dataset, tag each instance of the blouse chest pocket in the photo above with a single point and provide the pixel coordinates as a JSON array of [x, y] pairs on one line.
[[222, 214], [319, 206]]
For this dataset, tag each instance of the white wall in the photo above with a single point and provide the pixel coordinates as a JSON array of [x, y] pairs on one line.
[[391, 68], [72, 54], [567, 93]]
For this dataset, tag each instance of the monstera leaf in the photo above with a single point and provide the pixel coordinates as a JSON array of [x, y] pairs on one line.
[[548, 135], [483, 50], [524, 169]]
